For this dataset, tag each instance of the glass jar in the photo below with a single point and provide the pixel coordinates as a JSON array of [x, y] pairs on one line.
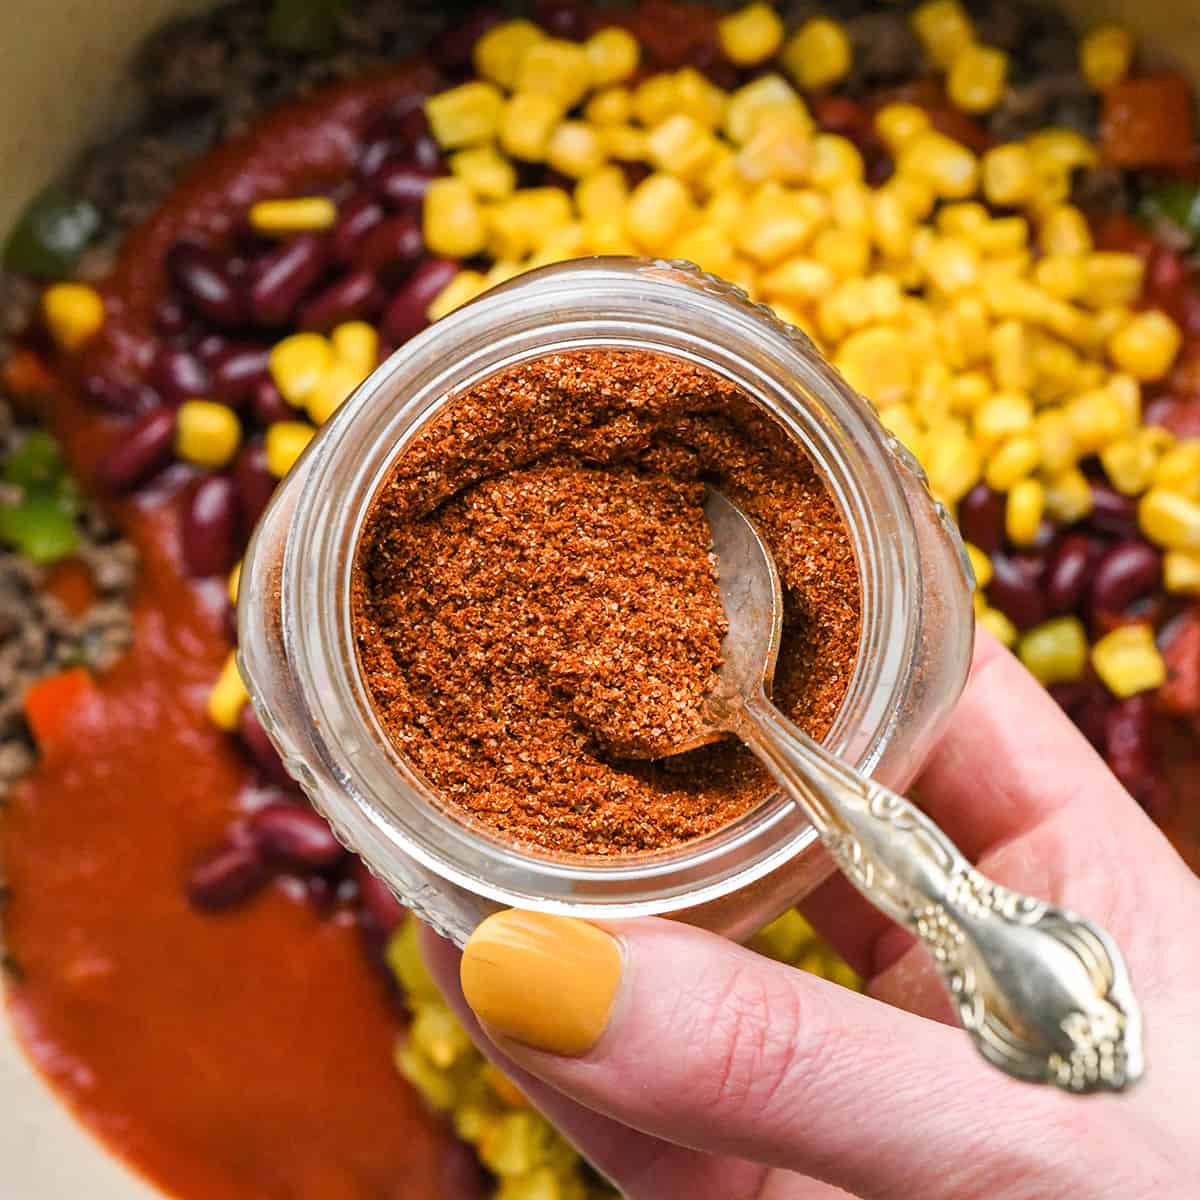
[[297, 650]]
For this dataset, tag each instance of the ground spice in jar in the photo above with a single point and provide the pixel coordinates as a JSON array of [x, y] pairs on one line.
[[536, 608]]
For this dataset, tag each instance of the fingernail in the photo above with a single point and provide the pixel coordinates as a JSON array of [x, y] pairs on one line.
[[547, 982]]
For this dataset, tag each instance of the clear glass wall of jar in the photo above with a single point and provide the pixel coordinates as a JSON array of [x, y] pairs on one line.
[[297, 651]]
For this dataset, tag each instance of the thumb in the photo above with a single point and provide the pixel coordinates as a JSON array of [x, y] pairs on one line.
[[679, 1034]]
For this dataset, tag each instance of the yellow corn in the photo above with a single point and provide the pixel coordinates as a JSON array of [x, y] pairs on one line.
[[1105, 55], [466, 115], [998, 625], [453, 221], [1000, 237], [1096, 418], [944, 29], [297, 363], [981, 565], [1170, 519], [696, 96], [612, 55], [228, 696], [750, 35], [555, 67], [602, 194], [949, 168], [798, 280], [612, 106], [504, 269], [1064, 230], [780, 148], [891, 224], [1008, 173], [206, 433], [1146, 345], [655, 99], [680, 145], [1068, 496], [1011, 356], [968, 390], [498, 52], [850, 205], [899, 123], [357, 344], [1128, 662], [952, 265], [521, 222], [1023, 511], [835, 160], [73, 314], [659, 209], [1129, 464], [931, 398], [1181, 572], [466, 285], [488, 174], [1062, 150], [626, 143], [846, 252], [818, 54], [304, 214], [898, 419], [877, 363], [1056, 366], [1002, 415], [1179, 469], [1014, 461], [1111, 278], [326, 398], [1064, 276], [1055, 651], [977, 78], [778, 224], [233, 582], [575, 149], [709, 248], [284, 443], [749, 103], [528, 120]]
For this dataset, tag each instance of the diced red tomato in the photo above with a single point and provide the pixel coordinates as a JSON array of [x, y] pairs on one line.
[[51, 701], [1180, 695], [672, 32], [70, 583], [1149, 122]]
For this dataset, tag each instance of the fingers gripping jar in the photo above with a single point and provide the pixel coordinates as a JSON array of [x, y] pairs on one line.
[[297, 646]]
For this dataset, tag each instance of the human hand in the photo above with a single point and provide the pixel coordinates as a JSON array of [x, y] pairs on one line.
[[684, 1066]]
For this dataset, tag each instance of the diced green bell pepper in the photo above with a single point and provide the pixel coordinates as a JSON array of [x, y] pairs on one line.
[[50, 235], [39, 528], [1177, 202]]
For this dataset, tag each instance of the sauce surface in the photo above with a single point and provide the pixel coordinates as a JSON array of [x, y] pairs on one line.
[[246, 1055]]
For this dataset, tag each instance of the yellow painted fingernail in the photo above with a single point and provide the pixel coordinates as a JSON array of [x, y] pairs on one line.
[[548, 982]]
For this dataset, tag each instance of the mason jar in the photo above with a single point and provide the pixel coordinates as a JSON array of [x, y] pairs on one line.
[[297, 650]]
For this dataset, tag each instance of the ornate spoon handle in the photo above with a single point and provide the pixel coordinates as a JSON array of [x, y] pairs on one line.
[[1043, 993]]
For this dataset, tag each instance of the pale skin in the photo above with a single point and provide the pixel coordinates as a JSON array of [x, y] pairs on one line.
[[724, 1076]]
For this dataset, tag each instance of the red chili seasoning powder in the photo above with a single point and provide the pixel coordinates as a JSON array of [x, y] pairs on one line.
[[534, 598]]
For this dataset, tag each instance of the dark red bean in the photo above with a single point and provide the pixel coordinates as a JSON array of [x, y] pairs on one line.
[[320, 893], [126, 397], [206, 284], [1127, 572], [285, 275], [562, 18], [210, 347], [1111, 512], [237, 372], [296, 836], [229, 875], [394, 242], [209, 526], [178, 375], [405, 316], [1086, 702], [451, 49], [427, 155], [268, 405], [1180, 695], [1179, 414], [356, 218], [140, 453], [460, 1173], [261, 749], [981, 518], [1068, 572], [357, 294], [402, 185], [1129, 751], [255, 483], [170, 318], [1014, 590], [376, 899]]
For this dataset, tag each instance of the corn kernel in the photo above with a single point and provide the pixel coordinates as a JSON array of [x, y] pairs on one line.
[[681, 146], [1128, 662], [891, 224], [952, 265], [877, 363], [465, 115], [612, 55], [898, 420], [1105, 55], [228, 696], [1011, 356], [944, 29], [798, 281], [487, 173], [1112, 278], [1170, 519], [602, 194], [750, 35], [949, 168], [1056, 440], [1056, 366], [1181, 572], [625, 143], [846, 252], [1068, 496], [73, 313], [525, 219], [1008, 173], [608, 236], [1096, 418], [952, 463], [780, 148], [654, 99], [284, 443], [1146, 345], [326, 398], [612, 106], [659, 209], [528, 120], [725, 208], [1011, 463], [1129, 464], [981, 565], [1064, 276], [1023, 511], [1002, 415], [931, 400], [206, 433], [977, 78], [357, 344], [850, 205], [554, 67], [297, 363], [558, 244], [465, 286], [1064, 149], [835, 160], [1064, 230], [1000, 237], [234, 582], [453, 222], [304, 214], [709, 248], [575, 149], [818, 54], [1179, 470], [963, 332], [1055, 651], [778, 224], [746, 106], [498, 51], [998, 625], [698, 97], [900, 123]]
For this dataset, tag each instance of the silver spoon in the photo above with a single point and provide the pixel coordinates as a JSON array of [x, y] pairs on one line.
[[1043, 993]]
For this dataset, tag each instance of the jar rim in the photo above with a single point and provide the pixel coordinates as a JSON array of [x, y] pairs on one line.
[[673, 308]]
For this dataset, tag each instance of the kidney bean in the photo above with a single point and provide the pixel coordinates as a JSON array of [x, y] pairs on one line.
[[141, 452], [268, 405], [209, 526], [356, 294], [394, 242], [205, 282], [405, 316], [320, 893], [170, 318], [402, 185], [229, 875], [261, 749], [1014, 590], [710, 62], [356, 218], [1179, 414], [1087, 703], [376, 899], [127, 397], [460, 1173], [285, 275], [563, 19], [210, 347], [237, 372], [1129, 751], [1125, 573], [1180, 695], [296, 836], [981, 518], [255, 483], [1067, 573], [178, 375], [1111, 512]]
